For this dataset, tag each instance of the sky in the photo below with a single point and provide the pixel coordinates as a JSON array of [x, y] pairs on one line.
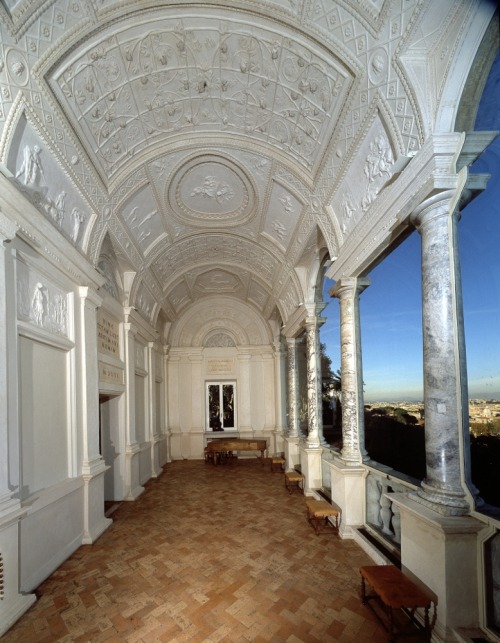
[[391, 309]]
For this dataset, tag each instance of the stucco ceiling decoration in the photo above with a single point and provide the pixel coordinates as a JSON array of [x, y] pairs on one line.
[[210, 190], [137, 84]]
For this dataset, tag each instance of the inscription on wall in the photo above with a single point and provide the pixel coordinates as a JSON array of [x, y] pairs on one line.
[[107, 335], [110, 374], [218, 366]]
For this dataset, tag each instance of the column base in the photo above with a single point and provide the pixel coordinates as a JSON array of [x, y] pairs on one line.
[[444, 502]]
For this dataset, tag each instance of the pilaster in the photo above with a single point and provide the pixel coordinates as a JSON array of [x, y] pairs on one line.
[[93, 465], [12, 603], [133, 488]]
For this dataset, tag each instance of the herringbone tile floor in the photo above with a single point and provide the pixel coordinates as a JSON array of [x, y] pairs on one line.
[[206, 554]]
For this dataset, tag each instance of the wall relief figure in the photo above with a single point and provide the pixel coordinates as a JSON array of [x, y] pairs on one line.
[[38, 304], [31, 168]]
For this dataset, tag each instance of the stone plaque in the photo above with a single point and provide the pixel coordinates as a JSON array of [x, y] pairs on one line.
[[111, 374], [108, 338], [219, 366]]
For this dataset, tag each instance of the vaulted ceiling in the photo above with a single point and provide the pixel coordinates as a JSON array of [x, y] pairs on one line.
[[208, 149]]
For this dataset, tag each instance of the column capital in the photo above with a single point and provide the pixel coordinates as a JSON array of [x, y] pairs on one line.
[[349, 285], [441, 204], [90, 295]]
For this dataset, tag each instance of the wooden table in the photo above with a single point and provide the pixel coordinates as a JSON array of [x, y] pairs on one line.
[[395, 591], [223, 448]]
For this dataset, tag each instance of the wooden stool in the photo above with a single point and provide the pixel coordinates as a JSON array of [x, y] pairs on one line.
[[318, 514], [294, 481], [395, 591], [277, 463]]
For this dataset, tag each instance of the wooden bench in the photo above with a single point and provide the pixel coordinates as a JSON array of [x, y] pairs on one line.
[[294, 481], [319, 513], [277, 463], [394, 592]]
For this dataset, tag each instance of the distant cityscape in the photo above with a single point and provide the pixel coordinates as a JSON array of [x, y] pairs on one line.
[[481, 411]]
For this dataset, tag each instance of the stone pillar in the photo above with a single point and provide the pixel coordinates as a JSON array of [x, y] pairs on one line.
[[133, 489], [310, 455], [93, 465], [244, 396], [314, 392], [292, 455], [154, 437], [12, 602], [165, 407], [279, 396], [353, 421], [444, 489]]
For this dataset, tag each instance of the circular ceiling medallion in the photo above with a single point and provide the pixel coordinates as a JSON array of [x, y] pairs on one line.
[[210, 189]]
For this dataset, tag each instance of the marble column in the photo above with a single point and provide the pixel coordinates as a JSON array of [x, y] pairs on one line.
[[279, 394], [12, 602], [293, 436], [314, 392], [353, 421], [293, 384], [445, 398]]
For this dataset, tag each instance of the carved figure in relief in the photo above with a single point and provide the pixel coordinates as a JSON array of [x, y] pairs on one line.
[[38, 304], [378, 164], [59, 207], [379, 159], [60, 313], [348, 208], [211, 188], [32, 166], [78, 219]]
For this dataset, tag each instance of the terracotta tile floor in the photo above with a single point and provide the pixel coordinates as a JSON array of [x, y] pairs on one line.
[[206, 554]]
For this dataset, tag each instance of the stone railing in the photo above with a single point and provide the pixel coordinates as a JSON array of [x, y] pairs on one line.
[[382, 516]]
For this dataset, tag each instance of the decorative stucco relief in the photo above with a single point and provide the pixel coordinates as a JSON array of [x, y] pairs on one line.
[[41, 303], [126, 88], [215, 247], [39, 177]]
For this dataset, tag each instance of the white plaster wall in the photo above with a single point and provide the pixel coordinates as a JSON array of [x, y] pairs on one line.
[[188, 374], [51, 532], [44, 415]]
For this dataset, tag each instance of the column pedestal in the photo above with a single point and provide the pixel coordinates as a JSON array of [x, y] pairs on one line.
[[95, 523], [292, 452], [348, 492], [310, 462], [13, 604], [441, 551]]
